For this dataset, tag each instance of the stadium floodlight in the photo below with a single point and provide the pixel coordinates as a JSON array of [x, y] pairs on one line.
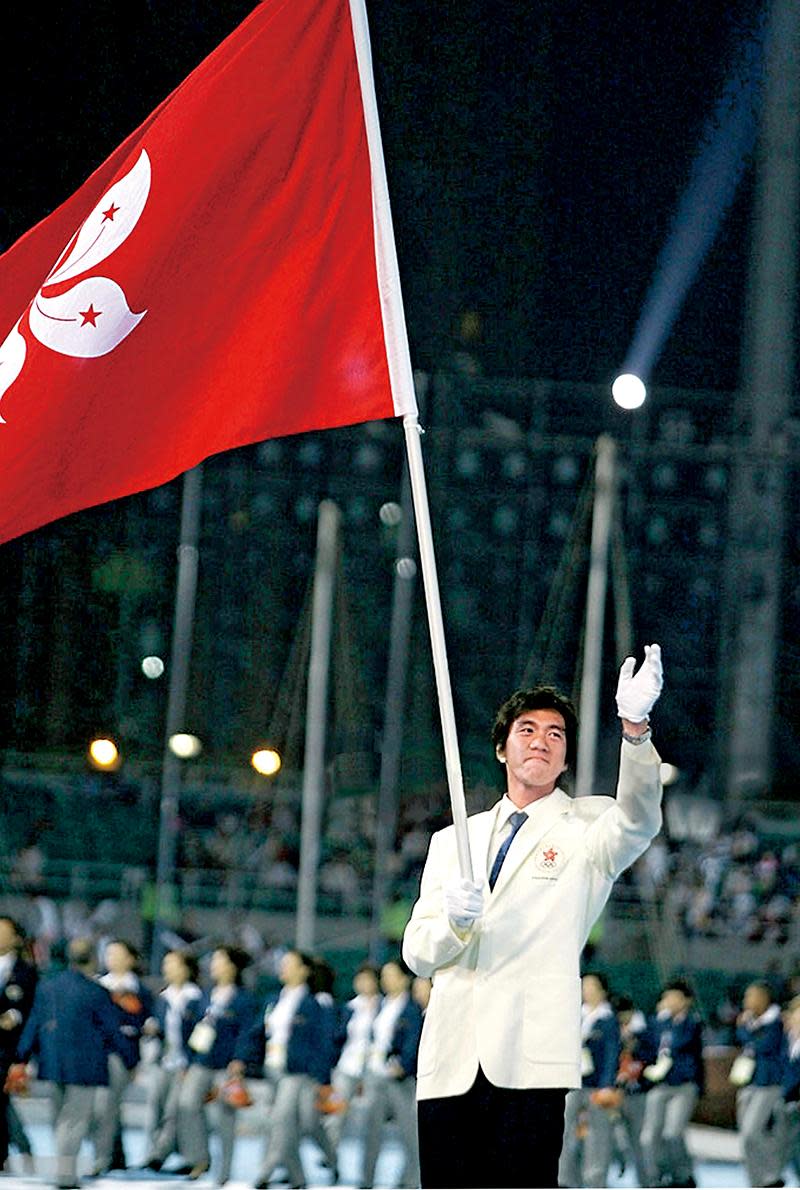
[[104, 754], [266, 761], [629, 391], [185, 746]]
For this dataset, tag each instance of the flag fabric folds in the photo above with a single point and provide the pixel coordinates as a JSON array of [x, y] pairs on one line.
[[219, 280]]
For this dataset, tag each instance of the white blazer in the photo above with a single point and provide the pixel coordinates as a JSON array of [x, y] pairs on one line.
[[506, 993]]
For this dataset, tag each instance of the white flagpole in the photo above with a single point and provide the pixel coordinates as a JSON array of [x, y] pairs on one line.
[[402, 382], [455, 782]]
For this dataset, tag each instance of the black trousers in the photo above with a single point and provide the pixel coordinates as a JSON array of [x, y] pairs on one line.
[[491, 1136]]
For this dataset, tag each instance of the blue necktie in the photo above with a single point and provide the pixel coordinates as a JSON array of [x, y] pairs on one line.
[[516, 821]]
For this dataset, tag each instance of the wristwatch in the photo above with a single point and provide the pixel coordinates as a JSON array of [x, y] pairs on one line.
[[637, 739]]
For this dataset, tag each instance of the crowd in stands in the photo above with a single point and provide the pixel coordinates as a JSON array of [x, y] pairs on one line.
[[736, 884]]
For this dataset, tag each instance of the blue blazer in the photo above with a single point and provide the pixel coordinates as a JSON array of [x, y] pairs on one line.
[[231, 1024], [767, 1044], [790, 1079], [405, 1039], [133, 1009], [684, 1040], [335, 1034], [310, 1047], [604, 1045], [72, 1029]]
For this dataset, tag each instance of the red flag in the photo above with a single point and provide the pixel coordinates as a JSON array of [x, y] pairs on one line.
[[227, 275]]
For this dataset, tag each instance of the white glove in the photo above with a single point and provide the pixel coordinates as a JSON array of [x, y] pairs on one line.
[[638, 692], [463, 903]]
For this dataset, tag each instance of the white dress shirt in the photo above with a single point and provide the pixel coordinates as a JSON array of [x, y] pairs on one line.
[[278, 1026]]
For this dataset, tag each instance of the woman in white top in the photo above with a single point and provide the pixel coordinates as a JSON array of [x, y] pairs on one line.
[[177, 1011], [349, 1071], [226, 1013]]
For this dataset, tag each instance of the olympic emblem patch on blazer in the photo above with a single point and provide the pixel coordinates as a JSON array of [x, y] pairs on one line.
[[550, 858]]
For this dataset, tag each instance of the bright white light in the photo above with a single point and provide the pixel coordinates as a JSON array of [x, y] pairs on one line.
[[185, 746], [152, 667], [628, 391], [669, 774], [266, 761]]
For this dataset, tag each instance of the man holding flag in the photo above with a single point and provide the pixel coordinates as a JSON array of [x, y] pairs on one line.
[[501, 1043]]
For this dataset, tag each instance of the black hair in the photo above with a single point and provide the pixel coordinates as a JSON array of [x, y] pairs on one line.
[[132, 950], [679, 985], [322, 977], [535, 699], [764, 985], [81, 953], [600, 977], [240, 959], [398, 961], [190, 963], [15, 926]]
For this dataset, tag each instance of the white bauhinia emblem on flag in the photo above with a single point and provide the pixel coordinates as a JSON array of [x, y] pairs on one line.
[[93, 317]]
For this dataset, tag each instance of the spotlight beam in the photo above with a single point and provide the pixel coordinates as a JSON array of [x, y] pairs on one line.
[[727, 143]]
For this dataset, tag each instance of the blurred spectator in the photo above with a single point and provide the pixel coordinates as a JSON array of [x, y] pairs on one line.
[[27, 870], [338, 878], [44, 928]]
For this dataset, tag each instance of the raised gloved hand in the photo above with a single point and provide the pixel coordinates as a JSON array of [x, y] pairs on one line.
[[637, 692], [463, 903]]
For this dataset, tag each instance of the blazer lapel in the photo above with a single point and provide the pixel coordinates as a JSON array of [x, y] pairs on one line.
[[530, 835]]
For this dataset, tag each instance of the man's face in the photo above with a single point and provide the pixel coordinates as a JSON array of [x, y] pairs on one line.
[[535, 753]]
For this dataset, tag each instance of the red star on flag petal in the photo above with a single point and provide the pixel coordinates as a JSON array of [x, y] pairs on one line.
[[110, 213], [90, 315]]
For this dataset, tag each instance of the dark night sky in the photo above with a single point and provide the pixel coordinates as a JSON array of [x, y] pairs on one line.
[[535, 153]]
